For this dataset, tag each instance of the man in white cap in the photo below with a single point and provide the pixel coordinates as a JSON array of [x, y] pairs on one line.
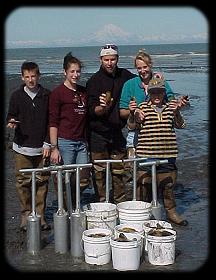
[[106, 140]]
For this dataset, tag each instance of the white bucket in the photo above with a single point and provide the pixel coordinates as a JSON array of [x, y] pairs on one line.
[[101, 215], [134, 212], [125, 254], [161, 249], [151, 224], [97, 249], [130, 231]]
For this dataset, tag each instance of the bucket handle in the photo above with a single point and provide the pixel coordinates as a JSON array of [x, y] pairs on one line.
[[82, 247], [99, 255], [104, 220]]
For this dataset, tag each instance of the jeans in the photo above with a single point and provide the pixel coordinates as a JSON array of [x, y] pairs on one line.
[[73, 152], [132, 138]]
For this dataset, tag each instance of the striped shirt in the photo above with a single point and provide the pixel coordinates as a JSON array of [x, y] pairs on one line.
[[157, 137]]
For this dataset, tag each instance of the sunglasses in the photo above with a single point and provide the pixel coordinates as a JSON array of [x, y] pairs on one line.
[[106, 47]]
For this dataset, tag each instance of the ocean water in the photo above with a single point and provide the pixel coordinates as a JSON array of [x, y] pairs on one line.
[[166, 57]]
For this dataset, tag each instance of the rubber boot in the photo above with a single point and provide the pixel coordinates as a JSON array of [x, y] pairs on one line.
[[170, 206], [100, 185], [173, 217], [143, 192]]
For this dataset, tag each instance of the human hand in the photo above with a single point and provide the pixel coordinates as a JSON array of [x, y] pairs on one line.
[[55, 157], [173, 105], [12, 123], [158, 75], [139, 115], [46, 152], [183, 101], [105, 100], [132, 105]]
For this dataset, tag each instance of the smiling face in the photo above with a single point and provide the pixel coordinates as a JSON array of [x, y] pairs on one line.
[[157, 96], [109, 63], [72, 74], [143, 69]]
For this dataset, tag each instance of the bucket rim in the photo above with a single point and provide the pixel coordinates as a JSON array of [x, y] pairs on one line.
[[124, 244], [162, 238], [121, 206], [138, 228], [164, 224], [112, 208], [98, 230]]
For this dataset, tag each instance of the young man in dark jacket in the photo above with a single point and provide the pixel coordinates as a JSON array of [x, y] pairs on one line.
[[106, 140], [28, 115]]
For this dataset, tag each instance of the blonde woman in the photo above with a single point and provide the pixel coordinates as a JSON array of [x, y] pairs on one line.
[[135, 91]]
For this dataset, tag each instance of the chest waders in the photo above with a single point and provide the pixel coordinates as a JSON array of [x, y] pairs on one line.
[[156, 206]]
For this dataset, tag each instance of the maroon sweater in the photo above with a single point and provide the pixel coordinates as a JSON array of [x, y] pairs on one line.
[[67, 112]]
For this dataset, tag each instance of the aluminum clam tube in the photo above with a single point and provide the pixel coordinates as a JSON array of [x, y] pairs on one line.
[[33, 224], [134, 179], [61, 221], [68, 192], [107, 180], [156, 207], [77, 223]]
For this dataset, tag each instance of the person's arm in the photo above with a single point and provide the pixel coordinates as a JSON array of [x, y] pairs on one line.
[[178, 119], [55, 156], [12, 115], [94, 107], [131, 122], [124, 113], [54, 113], [124, 103]]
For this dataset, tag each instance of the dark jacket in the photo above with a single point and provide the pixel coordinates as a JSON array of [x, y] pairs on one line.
[[99, 83], [33, 116]]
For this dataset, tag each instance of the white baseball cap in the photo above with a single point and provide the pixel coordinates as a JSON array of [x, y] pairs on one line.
[[109, 49]]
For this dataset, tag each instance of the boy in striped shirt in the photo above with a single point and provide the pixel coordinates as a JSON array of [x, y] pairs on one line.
[[157, 120]]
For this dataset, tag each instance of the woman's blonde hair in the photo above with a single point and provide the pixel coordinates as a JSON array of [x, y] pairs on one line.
[[144, 56]]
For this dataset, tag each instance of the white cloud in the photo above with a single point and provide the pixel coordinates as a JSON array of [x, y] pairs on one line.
[[24, 44], [173, 38]]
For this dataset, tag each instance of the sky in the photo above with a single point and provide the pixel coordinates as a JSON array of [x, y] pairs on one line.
[[51, 26]]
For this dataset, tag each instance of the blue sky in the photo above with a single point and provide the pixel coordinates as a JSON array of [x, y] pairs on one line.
[[52, 26]]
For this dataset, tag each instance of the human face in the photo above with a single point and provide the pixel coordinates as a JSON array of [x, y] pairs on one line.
[[143, 69], [72, 74], [157, 96], [30, 78], [109, 63]]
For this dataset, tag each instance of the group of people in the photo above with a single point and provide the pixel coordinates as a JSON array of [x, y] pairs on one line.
[[77, 124]]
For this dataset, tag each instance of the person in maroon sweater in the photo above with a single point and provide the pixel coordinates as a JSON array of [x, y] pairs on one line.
[[67, 119]]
